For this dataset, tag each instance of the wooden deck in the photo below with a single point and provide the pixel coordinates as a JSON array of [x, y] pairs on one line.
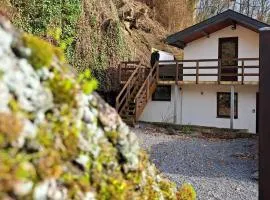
[[202, 71], [140, 81]]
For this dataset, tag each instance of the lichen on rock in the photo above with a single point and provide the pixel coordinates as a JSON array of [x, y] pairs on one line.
[[60, 140]]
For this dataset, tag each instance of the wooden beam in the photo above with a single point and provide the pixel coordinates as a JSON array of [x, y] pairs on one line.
[[162, 62], [219, 71], [264, 116], [177, 73], [168, 82], [120, 74], [197, 72], [158, 71], [243, 71], [234, 25]]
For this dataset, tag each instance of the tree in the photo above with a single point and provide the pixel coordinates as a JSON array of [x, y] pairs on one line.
[[258, 9]]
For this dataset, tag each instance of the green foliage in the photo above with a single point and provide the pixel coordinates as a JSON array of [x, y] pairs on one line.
[[186, 192], [41, 52], [101, 42], [90, 35], [38, 17], [186, 129], [167, 189], [109, 47], [88, 83], [63, 89]]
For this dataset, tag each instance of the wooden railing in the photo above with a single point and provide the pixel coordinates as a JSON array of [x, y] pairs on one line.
[[125, 94], [210, 69], [146, 90], [126, 69]]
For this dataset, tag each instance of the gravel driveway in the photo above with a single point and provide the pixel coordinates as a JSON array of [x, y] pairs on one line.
[[218, 169]]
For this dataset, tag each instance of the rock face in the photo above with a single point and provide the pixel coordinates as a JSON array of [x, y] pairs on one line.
[[60, 140]]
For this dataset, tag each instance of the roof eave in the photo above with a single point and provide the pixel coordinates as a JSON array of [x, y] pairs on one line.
[[178, 38], [178, 44]]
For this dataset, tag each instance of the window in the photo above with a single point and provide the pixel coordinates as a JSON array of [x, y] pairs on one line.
[[162, 93], [224, 105]]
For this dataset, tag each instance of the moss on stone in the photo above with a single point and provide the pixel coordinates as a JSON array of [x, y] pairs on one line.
[[42, 52], [63, 89], [10, 127], [186, 192]]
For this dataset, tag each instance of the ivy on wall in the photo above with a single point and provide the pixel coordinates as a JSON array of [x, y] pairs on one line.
[[89, 31], [44, 16], [101, 42]]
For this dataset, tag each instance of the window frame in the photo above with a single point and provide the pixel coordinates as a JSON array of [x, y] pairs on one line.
[[166, 100], [236, 105], [235, 40]]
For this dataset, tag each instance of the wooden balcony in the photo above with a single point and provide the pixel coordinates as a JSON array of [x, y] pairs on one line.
[[203, 71]]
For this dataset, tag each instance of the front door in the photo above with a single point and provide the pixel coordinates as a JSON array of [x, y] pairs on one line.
[[228, 52]]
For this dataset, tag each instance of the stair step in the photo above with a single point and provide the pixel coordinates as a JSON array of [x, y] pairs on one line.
[[128, 113], [128, 110]]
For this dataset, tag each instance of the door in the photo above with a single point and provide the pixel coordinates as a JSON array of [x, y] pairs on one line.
[[228, 52]]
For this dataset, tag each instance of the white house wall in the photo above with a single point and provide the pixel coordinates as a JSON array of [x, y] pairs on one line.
[[207, 48], [197, 105], [160, 111], [200, 106], [163, 55]]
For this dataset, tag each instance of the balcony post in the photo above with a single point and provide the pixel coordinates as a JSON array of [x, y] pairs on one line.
[[243, 71], [120, 73], [157, 65], [147, 89], [219, 71], [177, 73], [197, 72]]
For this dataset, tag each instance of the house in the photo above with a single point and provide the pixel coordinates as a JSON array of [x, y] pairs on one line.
[[221, 58]]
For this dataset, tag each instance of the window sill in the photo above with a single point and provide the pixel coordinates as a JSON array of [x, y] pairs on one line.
[[162, 100], [226, 117]]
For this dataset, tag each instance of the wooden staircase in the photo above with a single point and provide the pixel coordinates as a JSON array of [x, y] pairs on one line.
[[136, 92]]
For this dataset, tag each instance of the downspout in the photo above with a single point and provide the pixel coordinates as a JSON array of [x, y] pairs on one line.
[[181, 106], [175, 118], [176, 95], [232, 107]]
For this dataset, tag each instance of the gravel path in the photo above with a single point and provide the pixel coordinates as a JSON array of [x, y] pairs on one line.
[[218, 169]]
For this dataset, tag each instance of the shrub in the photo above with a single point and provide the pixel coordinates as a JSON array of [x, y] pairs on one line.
[[186, 192]]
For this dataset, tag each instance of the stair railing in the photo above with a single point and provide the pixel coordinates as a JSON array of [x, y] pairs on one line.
[[125, 94], [146, 91]]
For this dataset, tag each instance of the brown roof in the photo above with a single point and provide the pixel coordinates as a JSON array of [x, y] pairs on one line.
[[213, 24]]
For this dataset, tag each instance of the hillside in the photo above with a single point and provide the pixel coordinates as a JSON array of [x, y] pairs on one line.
[[98, 34]]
